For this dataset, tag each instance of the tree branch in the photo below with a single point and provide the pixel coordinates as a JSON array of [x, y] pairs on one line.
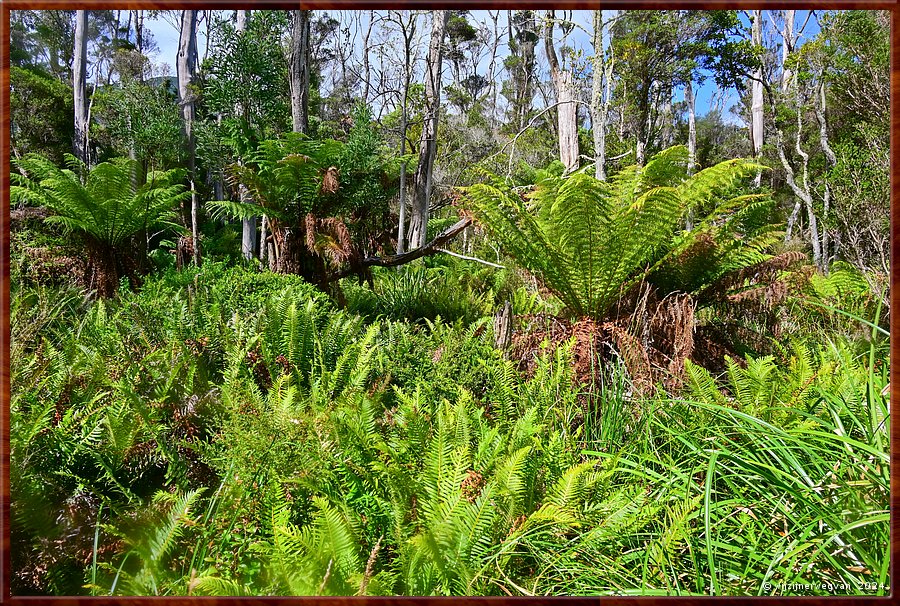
[[394, 260], [467, 258]]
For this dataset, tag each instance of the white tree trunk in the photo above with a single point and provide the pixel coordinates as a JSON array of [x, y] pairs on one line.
[[668, 127], [298, 64], [599, 104], [802, 189], [567, 120], [262, 238], [404, 124], [428, 145], [787, 47], [186, 64], [832, 161], [692, 126], [248, 226], [756, 93], [567, 107], [79, 77]]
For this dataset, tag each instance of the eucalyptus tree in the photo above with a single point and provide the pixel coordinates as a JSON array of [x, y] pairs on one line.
[[566, 98], [79, 84], [602, 65], [757, 129], [428, 144], [186, 66], [523, 36], [406, 23], [298, 69]]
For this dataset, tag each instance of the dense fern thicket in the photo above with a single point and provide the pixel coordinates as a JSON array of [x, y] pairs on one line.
[[336, 306], [226, 431]]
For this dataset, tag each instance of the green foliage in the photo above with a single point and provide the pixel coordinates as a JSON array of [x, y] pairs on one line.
[[580, 235], [41, 113], [107, 207], [417, 293], [243, 438], [141, 119], [248, 70], [226, 430]]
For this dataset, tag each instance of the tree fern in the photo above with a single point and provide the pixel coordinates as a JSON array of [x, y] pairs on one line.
[[105, 210], [590, 241]]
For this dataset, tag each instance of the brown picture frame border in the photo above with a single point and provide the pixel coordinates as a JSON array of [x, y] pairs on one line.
[[893, 6]]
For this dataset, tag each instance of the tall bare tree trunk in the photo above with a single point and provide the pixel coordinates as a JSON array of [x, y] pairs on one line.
[[299, 71], [668, 126], [567, 108], [79, 82], [832, 162], [692, 125], [248, 226], [801, 189], [756, 93], [186, 64], [600, 97], [418, 227], [787, 48], [262, 239], [523, 36], [692, 141], [408, 30]]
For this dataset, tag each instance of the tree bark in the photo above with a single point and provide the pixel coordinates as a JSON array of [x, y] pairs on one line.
[[298, 65], [401, 259], [248, 226], [668, 128], [600, 98], [522, 41], [186, 64], [831, 159], [692, 126], [692, 141], [79, 82], [262, 239], [787, 47], [567, 109], [408, 31], [418, 227], [756, 93]]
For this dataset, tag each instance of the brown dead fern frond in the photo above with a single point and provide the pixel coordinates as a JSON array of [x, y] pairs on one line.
[[635, 357], [331, 180], [758, 273], [673, 326], [310, 224]]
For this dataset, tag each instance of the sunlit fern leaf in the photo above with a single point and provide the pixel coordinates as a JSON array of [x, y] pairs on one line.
[[107, 206], [578, 234], [211, 585], [569, 491]]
